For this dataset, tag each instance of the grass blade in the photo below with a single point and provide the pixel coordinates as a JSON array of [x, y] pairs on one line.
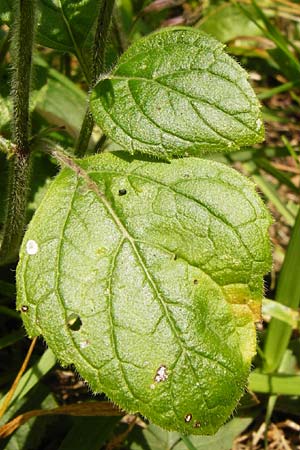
[[288, 294], [33, 375], [280, 176], [11, 338], [89, 433], [270, 192], [281, 312], [279, 384], [278, 90]]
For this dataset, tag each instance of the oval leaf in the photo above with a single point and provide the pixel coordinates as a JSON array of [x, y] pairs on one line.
[[148, 278], [177, 92]]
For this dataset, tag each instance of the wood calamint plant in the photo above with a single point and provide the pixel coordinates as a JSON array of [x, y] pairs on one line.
[[143, 269]]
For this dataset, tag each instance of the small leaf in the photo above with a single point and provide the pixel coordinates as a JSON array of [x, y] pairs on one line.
[[5, 11], [64, 25], [5, 115], [68, 26], [222, 440], [177, 92], [165, 281], [153, 438], [63, 103], [228, 23]]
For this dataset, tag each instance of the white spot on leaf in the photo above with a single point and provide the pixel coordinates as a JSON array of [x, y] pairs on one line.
[[161, 374], [84, 344], [258, 124], [31, 247], [188, 418]]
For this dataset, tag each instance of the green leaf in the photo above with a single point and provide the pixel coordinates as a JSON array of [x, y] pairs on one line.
[[64, 25], [11, 338], [68, 26], [222, 440], [34, 433], [177, 92], [5, 107], [148, 278], [278, 384], [281, 312], [228, 22], [284, 57], [88, 433], [29, 380], [288, 294], [153, 438], [5, 11], [7, 289], [64, 103]]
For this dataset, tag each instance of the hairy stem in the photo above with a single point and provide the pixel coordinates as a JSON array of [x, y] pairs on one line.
[[85, 134], [22, 48], [19, 163], [15, 220], [101, 35], [103, 24], [119, 32]]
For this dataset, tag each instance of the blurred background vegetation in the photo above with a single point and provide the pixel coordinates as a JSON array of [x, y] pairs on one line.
[[264, 36]]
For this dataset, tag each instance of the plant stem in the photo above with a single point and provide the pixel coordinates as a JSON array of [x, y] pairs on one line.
[[119, 33], [103, 24], [23, 45], [101, 35], [99, 147], [85, 134], [19, 163], [14, 225]]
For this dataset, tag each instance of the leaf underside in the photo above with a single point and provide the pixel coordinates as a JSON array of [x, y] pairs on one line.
[[148, 278], [177, 92]]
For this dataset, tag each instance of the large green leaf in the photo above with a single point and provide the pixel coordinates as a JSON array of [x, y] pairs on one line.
[[177, 92], [148, 278]]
